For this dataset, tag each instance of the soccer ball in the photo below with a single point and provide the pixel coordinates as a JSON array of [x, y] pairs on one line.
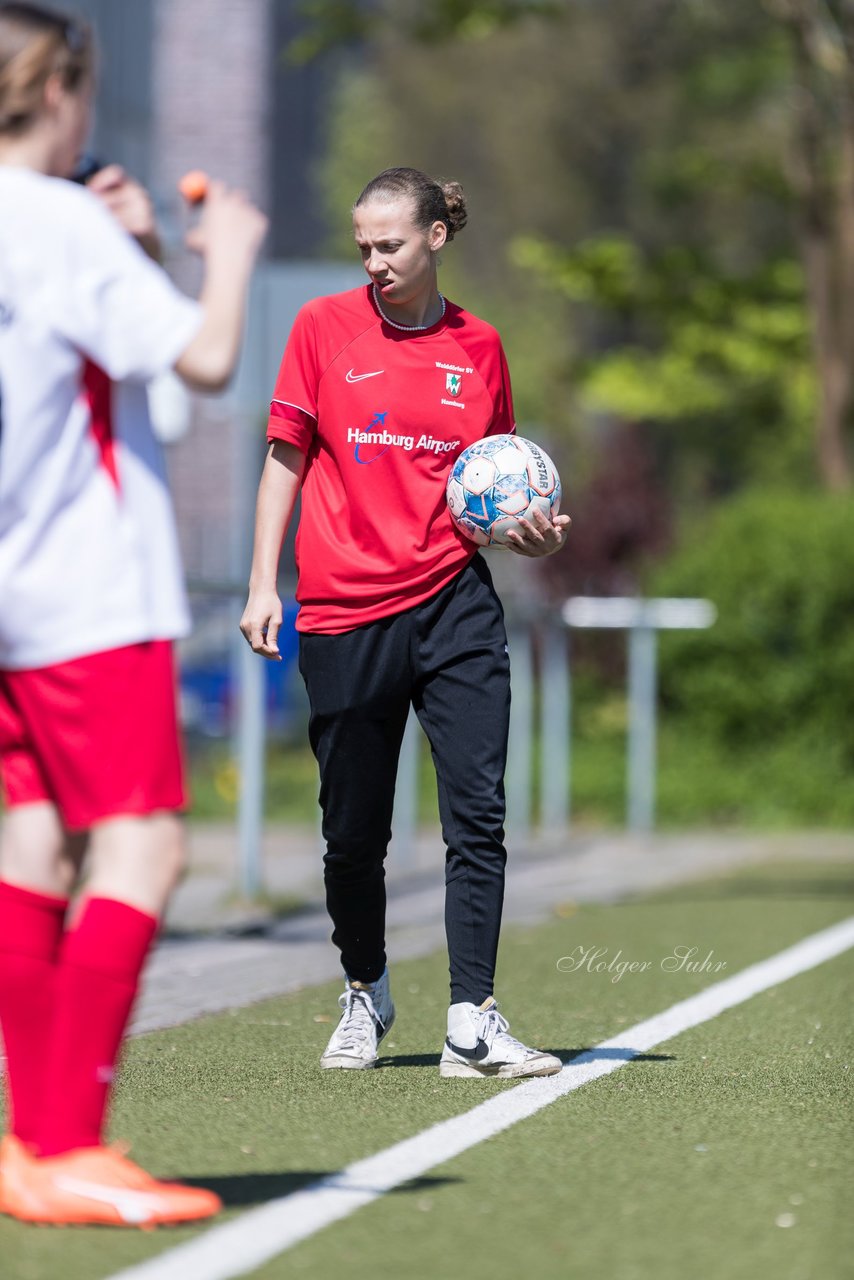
[[497, 480]]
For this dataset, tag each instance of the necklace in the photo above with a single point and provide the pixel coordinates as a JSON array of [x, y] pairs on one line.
[[406, 328]]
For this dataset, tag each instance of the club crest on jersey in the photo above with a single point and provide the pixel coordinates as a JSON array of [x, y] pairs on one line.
[[453, 384]]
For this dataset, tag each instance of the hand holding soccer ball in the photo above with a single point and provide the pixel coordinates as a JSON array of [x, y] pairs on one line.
[[505, 490]]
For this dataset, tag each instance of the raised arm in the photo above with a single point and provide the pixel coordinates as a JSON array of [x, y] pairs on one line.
[[277, 494], [228, 237]]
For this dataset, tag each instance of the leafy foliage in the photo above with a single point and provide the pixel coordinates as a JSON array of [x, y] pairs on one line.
[[331, 23], [705, 346], [779, 662], [630, 230]]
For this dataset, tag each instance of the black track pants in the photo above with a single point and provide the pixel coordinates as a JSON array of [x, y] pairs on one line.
[[448, 658]]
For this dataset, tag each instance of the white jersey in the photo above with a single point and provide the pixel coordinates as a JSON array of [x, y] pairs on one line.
[[88, 548]]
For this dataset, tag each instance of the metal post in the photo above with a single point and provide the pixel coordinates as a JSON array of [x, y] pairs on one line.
[[248, 667], [519, 756], [555, 712], [642, 714], [251, 716], [405, 821], [642, 619], [278, 290]]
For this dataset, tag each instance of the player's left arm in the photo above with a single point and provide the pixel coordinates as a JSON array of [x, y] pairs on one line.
[[130, 204]]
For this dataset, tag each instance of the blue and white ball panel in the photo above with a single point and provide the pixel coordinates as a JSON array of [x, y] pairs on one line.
[[478, 475], [496, 482]]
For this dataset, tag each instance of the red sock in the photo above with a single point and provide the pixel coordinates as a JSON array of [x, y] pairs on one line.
[[30, 933], [96, 984]]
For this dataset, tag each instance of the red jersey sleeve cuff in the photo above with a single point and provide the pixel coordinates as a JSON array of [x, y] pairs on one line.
[[292, 424]]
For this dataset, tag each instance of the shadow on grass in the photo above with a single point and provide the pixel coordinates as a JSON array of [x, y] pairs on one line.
[[241, 1190], [409, 1060], [565, 1055], [614, 1055]]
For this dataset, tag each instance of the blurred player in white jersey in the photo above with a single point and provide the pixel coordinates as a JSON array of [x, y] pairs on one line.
[[91, 600]]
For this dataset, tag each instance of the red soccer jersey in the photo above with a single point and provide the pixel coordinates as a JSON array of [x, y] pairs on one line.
[[381, 415]]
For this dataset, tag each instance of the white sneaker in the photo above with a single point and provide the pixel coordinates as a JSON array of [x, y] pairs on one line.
[[478, 1045], [367, 1017]]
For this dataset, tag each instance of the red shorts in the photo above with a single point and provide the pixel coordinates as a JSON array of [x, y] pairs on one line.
[[98, 736]]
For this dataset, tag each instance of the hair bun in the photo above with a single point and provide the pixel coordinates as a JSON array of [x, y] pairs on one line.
[[456, 201], [433, 201]]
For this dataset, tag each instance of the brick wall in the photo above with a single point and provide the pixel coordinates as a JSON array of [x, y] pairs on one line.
[[212, 63]]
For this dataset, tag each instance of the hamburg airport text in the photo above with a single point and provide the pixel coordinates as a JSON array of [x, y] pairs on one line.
[[355, 436]]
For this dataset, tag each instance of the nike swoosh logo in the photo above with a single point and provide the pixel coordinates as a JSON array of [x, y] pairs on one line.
[[478, 1053], [360, 377], [133, 1206]]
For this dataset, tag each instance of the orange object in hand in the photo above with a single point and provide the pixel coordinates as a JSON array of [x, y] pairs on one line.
[[194, 186]]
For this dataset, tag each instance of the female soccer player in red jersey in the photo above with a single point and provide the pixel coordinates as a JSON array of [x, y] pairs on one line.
[[379, 390], [91, 598]]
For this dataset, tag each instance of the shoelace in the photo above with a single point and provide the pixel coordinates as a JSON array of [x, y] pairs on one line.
[[357, 1025], [492, 1025]]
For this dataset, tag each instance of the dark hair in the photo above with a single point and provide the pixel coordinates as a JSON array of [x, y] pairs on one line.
[[434, 201], [36, 43]]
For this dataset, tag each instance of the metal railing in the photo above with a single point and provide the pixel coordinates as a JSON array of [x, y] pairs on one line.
[[546, 719]]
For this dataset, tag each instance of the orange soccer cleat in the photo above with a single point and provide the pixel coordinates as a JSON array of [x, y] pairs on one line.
[[93, 1185]]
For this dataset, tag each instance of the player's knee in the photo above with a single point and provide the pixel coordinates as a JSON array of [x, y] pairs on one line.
[[170, 849], [353, 862], [33, 849], [138, 859]]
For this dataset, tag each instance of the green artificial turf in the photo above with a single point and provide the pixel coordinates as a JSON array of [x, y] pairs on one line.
[[722, 1154]]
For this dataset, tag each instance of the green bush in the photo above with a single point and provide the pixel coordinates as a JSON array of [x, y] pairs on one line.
[[785, 783], [779, 661], [757, 713]]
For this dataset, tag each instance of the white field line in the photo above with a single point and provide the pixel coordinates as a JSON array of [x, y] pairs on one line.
[[240, 1246]]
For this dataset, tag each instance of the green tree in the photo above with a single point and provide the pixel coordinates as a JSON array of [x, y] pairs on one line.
[[721, 360], [669, 134], [821, 169]]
